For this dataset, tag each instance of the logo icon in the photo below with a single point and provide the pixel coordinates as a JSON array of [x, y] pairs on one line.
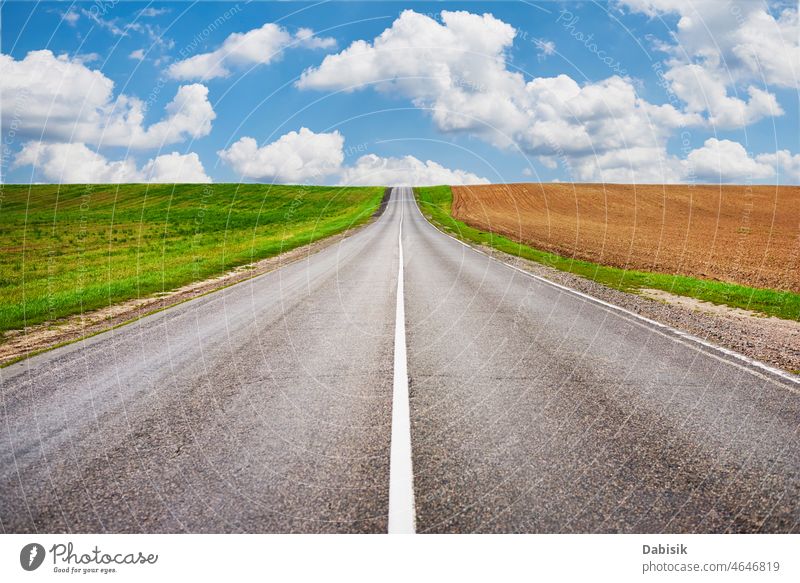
[[31, 556]]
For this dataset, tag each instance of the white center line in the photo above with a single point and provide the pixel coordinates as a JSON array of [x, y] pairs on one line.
[[402, 517]]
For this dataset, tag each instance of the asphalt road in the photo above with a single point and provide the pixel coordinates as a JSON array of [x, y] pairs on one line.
[[267, 407]]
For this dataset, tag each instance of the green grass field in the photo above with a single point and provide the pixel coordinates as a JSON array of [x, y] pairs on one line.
[[435, 203], [69, 249]]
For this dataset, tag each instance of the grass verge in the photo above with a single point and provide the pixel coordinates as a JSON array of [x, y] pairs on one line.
[[71, 249], [435, 202]]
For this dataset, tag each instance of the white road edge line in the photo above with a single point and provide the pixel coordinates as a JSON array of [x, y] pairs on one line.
[[752, 362], [402, 516]]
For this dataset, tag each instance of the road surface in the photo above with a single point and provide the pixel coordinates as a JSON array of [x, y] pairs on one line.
[[268, 407]]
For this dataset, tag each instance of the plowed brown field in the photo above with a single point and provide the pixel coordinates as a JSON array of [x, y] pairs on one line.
[[743, 234]]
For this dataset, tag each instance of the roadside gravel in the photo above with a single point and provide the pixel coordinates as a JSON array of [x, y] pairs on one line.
[[771, 340]]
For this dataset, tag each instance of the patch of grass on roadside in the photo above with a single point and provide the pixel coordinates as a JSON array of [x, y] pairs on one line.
[[73, 248], [436, 201]]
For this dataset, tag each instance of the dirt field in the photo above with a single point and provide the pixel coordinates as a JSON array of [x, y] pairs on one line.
[[740, 234]]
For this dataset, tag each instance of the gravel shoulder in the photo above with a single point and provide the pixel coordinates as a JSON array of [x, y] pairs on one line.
[[770, 340]]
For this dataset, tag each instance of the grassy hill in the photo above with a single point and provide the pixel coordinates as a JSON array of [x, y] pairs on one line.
[[69, 249]]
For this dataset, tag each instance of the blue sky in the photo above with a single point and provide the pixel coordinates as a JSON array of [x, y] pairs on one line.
[[529, 92]]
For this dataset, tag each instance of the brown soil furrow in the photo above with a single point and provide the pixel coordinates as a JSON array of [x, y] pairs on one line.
[[743, 234]]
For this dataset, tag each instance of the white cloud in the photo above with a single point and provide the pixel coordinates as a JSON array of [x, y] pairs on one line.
[[769, 47], [703, 89], [316, 158], [457, 70], [306, 38], [71, 17], [372, 170], [137, 55], [786, 165], [725, 161], [188, 114], [70, 163], [175, 167], [601, 131], [151, 12], [76, 163], [61, 99], [721, 47], [259, 46], [742, 36], [295, 157]]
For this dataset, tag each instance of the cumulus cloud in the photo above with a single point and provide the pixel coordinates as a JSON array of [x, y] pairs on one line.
[[720, 46], [175, 167], [786, 165], [313, 158], [725, 161], [703, 89], [769, 47], [76, 163], [741, 35], [61, 99], [297, 157], [457, 70], [601, 131], [406, 171], [259, 46]]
